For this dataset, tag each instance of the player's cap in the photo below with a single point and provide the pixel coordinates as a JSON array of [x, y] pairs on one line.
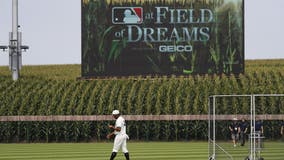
[[115, 112], [235, 119]]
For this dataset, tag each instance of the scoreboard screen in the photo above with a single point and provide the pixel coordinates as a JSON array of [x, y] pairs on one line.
[[169, 37]]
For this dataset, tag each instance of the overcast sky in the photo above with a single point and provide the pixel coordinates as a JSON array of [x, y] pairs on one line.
[[52, 29]]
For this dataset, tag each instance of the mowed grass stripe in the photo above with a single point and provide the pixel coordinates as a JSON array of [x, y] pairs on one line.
[[99, 151], [47, 151], [138, 151]]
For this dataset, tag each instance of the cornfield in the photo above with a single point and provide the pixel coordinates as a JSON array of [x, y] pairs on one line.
[[54, 90]]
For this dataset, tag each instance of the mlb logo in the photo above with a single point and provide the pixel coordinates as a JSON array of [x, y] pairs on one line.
[[127, 15]]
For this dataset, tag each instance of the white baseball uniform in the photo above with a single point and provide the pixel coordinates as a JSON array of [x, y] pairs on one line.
[[120, 137]]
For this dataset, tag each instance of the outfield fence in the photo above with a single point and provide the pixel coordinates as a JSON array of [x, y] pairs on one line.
[[89, 128], [134, 117]]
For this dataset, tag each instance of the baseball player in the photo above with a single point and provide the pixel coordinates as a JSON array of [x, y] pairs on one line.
[[119, 131], [243, 131], [235, 130], [259, 126]]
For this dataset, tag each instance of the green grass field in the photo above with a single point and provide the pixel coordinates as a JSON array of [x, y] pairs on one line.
[[138, 151]]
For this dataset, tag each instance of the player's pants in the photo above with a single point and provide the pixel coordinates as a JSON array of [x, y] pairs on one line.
[[120, 142], [242, 138], [235, 136]]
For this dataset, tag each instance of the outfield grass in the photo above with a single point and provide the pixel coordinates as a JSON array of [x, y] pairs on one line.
[[270, 151], [138, 151]]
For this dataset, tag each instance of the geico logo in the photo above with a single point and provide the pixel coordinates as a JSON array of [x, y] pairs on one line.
[[174, 48]]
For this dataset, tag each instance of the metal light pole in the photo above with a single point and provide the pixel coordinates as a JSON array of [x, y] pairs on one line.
[[15, 51], [15, 45]]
